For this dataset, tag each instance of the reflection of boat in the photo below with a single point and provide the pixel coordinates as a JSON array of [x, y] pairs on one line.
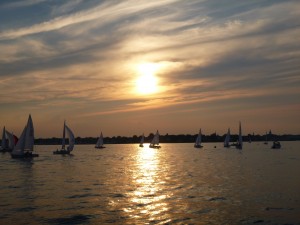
[[227, 139], [198, 140], [155, 141], [24, 147], [239, 144], [70, 134], [276, 145], [142, 141], [99, 143]]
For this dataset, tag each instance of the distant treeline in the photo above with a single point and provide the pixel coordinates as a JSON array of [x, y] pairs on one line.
[[180, 138]]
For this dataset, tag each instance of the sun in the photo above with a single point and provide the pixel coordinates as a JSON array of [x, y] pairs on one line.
[[147, 83]]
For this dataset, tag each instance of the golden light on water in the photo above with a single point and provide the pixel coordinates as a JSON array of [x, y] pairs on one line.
[[147, 82], [148, 185]]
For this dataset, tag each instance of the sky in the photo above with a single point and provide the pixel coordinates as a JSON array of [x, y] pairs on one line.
[[137, 66]]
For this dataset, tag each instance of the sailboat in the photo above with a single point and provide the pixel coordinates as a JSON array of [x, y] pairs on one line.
[[155, 141], [25, 144], [142, 141], [198, 140], [239, 144], [99, 143], [70, 148], [227, 139]]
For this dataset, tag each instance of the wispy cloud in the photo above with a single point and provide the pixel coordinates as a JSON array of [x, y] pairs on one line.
[[22, 3]]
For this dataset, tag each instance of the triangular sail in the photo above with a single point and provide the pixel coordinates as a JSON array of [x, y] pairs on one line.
[[227, 138], [199, 138], [26, 140], [155, 140], [71, 138], [142, 139], [29, 137], [11, 139], [100, 141]]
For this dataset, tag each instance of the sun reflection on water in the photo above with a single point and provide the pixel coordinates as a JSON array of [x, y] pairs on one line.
[[147, 200]]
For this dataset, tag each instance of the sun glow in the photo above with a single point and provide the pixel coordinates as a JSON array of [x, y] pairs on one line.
[[146, 83]]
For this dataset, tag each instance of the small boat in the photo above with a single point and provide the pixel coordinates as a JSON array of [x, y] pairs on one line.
[[276, 145], [142, 141], [239, 144], [227, 139], [70, 148], [25, 144], [155, 141], [99, 143], [198, 140]]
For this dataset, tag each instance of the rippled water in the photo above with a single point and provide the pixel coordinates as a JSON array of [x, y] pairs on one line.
[[177, 184]]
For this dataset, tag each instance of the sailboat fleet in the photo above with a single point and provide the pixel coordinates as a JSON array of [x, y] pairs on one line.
[[24, 146]]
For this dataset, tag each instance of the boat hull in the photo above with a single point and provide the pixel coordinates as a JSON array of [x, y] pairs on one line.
[[198, 146], [61, 152], [25, 155], [276, 145], [99, 147], [154, 146], [141, 145]]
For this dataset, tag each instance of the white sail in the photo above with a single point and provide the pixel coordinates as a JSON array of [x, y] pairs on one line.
[[71, 138], [3, 143], [142, 139], [26, 140], [198, 139], [99, 141], [63, 145], [29, 137], [227, 138], [11, 141], [155, 140]]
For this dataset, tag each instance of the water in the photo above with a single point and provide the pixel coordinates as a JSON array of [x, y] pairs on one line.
[[177, 184]]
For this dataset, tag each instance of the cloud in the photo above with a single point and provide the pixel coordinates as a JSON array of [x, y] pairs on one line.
[[99, 12], [22, 3]]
